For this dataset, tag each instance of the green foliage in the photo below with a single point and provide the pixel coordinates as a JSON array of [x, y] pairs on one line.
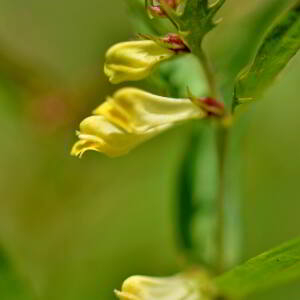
[[171, 78], [197, 185], [12, 286], [197, 211], [194, 19], [272, 268], [280, 44]]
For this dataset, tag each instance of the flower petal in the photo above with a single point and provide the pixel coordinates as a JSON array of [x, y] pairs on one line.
[[133, 60], [129, 118], [195, 285], [99, 134], [137, 111]]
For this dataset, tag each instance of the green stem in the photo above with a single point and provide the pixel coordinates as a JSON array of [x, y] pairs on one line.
[[198, 51], [221, 147], [222, 136], [209, 73]]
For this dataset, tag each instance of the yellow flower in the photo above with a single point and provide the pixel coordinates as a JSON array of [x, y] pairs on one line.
[[129, 118], [185, 286], [135, 60]]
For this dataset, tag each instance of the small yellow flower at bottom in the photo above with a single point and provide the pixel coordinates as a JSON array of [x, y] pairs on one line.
[[193, 286], [129, 118]]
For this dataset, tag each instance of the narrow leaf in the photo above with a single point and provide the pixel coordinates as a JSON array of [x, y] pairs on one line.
[[272, 268], [280, 44]]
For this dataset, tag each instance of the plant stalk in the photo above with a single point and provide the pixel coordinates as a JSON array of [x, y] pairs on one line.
[[198, 51], [222, 137]]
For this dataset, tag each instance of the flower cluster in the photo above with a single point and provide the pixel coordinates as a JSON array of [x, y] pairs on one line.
[[132, 116]]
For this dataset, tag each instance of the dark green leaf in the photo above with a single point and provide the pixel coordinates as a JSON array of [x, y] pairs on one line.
[[280, 44], [272, 268]]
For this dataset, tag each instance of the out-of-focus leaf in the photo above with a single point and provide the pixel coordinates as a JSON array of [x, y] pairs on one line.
[[280, 44], [272, 268], [11, 285], [197, 198], [197, 202], [179, 74]]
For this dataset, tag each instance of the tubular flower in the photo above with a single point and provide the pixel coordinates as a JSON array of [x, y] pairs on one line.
[[129, 118], [134, 60], [179, 287]]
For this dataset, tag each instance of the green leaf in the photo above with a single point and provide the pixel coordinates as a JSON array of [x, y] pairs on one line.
[[280, 44], [272, 268], [194, 19]]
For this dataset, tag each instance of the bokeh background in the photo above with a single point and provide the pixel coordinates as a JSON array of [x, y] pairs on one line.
[[74, 229]]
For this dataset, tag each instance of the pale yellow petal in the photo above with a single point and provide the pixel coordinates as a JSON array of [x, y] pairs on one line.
[[137, 111], [99, 134], [133, 60], [186, 286], [129, 118]]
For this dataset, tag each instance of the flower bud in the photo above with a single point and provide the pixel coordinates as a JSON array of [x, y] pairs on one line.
[[135, 60], [211, 106], [156, 10], [171, 41], [174, 42], [194, 286]]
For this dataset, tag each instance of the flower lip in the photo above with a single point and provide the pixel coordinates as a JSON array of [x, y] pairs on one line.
[[126, 295]]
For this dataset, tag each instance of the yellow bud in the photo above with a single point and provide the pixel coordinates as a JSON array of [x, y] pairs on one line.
[[135, 60], [195, 286], [129, 118]]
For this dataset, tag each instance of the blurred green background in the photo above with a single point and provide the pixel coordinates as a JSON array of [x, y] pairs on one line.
[[74, 229]]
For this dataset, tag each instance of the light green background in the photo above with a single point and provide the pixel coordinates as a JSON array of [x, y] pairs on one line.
[[74, 229]]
